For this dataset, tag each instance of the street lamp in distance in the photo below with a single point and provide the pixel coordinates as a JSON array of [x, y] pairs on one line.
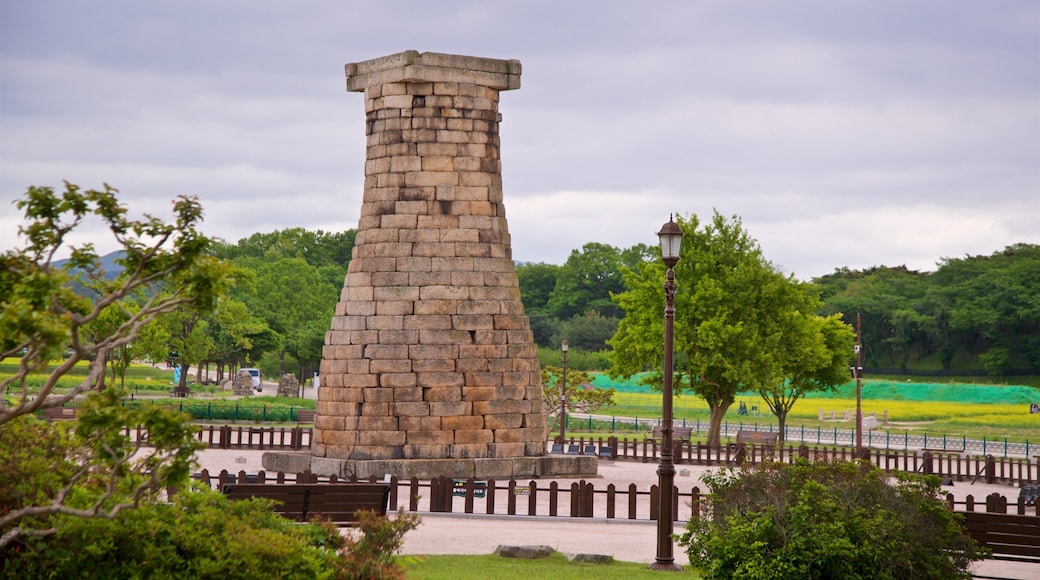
[[563, 394], [670, 236]]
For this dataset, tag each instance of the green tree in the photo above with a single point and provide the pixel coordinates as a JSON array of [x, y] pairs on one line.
[[589, 332], [581, 396], [46, 313], [236, 336], [823, 520], [317, 248], [731, 307], [44, 318], [815, 359], [537, 281], [92, 471], [295, 302], [586, 282]]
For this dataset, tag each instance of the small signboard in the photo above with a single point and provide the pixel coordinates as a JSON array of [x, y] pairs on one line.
[[522, 490], [458, 488]]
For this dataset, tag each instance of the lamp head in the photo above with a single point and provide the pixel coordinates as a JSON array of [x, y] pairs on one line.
[[670, 236], [564, 346]]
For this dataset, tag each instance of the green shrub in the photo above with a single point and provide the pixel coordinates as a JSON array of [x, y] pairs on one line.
[[204, 535], [820, 520], [199, 534]]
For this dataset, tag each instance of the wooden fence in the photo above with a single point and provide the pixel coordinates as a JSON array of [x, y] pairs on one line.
[[578, 499], [239, 437], [952, 465]]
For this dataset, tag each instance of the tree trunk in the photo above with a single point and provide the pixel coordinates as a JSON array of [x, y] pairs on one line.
[[718, 413], [184, 375], [781, 418]]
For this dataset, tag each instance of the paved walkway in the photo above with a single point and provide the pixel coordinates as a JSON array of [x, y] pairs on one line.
[[624, 540]]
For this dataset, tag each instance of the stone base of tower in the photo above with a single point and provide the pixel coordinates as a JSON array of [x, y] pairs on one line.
[[561, 466]]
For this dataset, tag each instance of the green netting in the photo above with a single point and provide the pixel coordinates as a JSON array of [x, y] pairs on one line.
[[955, 392], [881, 390]]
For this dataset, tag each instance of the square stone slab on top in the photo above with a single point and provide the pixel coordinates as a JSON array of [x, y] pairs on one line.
[[413, 66]]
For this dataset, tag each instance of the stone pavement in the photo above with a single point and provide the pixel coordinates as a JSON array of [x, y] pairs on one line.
[[630, 541]]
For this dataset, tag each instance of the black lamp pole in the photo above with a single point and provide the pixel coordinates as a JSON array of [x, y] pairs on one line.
[[563, 394], [671, 241]]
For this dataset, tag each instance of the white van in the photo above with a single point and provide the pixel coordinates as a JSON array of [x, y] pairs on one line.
[[255, 373]]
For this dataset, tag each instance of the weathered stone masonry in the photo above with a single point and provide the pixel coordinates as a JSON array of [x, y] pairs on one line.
[[430, 355]]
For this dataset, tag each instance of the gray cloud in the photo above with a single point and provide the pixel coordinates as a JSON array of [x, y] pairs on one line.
[[844, 134]]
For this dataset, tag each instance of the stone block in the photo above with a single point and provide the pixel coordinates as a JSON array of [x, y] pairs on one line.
[[446, 381], [378, 410], [440, 394], [390, 367], [427, 278], [486, 379], [360, 308], [456, 264], [502, 422], [444, 292], [433, 365], [409, 393], [345, 395], [381, 438], [496, 407], [478, 393], [557, 465], [428, 322], [462, 422], [474, 321], [286, 462], [403, 336], [430, 438], [373, 424], [378, 395], [508, 435], [510, 392], [450, 408], [409, 424], [433, 351], [506, 450], [471, 365], [433, 451], [331, 423], [445, 307], [467, 436], [411, 409], [469, 451], [340, 438], [412, 264]]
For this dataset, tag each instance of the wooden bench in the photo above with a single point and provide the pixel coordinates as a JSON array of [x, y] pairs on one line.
[[678, 433], [300, 502], [59, 414], [305, 416], [758, 437], [1010, 537]]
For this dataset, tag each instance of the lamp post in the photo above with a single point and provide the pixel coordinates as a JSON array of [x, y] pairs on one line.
[[670, 237], [563, 394], [859, 402]]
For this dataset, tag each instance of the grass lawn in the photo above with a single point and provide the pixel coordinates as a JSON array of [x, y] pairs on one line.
[[974, 420], [556, 567]]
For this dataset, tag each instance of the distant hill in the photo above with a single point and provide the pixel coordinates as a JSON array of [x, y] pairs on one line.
[[108, 263]]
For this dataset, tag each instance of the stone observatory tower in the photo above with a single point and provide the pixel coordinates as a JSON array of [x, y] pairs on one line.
[[430, 366]]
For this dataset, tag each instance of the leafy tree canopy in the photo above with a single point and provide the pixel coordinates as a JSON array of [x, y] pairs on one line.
[[732, 309]]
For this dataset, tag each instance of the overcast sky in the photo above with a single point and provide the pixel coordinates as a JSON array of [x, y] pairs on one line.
[[853, 134]]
